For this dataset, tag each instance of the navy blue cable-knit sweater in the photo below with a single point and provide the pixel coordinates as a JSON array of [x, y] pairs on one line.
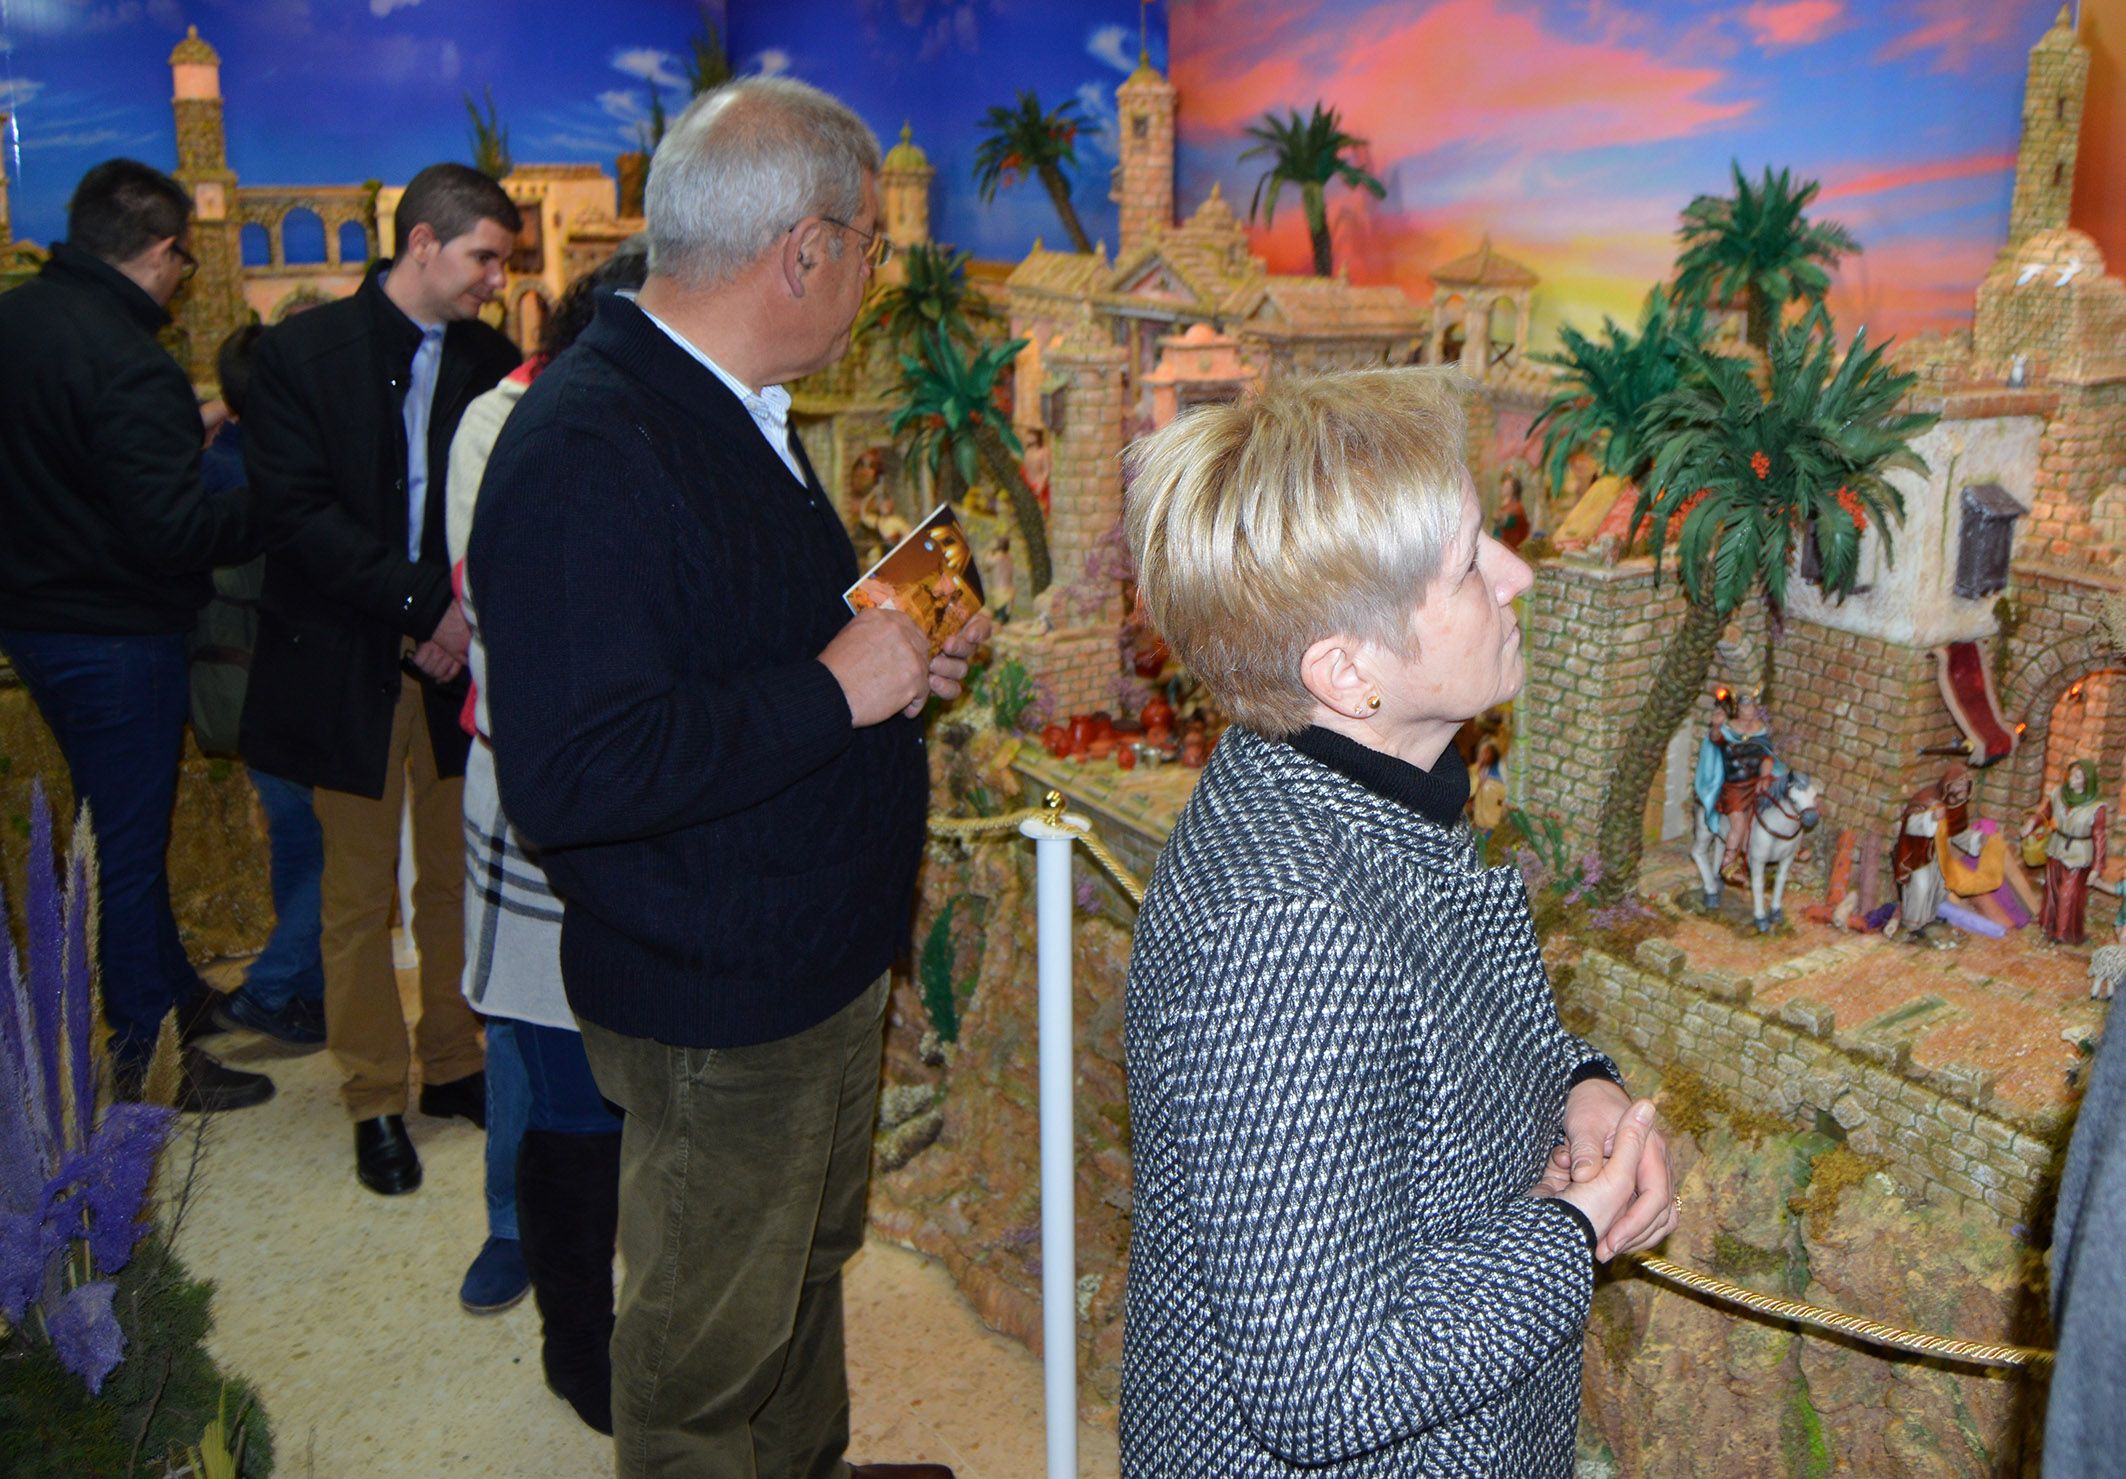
[[736, 861]]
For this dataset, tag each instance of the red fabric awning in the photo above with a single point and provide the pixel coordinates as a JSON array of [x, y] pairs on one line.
[[1967, 688]]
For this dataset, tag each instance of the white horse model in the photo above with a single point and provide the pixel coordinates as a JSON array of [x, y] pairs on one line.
[[1786, 811]]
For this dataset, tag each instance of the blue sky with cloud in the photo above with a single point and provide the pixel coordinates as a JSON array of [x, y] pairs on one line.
[[338, 91], [327, 91]]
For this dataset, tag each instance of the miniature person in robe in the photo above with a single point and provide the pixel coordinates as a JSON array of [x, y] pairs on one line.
[[1003, 579], [1513, 527], [1915, 865], [2074, 853], [1735, 765]]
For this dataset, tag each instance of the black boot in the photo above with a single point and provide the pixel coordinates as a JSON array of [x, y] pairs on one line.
[[568, 1214]]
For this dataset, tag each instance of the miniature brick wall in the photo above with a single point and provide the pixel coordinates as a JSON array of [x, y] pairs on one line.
[[2057, 639], [1080, 658], [1939, 1132], [1593, 638], [1854, 712], [2081, 459]]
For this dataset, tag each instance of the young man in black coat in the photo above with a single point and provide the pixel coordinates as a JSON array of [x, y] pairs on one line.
[[105, 559], [354, 684], [722, 771]]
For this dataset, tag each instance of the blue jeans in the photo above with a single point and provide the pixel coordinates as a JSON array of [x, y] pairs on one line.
[[290, 966], [537, 1079], [117, 706], [508, 1114]]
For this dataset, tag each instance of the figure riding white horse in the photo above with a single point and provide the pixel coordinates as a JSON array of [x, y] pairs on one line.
[[1785, 811]]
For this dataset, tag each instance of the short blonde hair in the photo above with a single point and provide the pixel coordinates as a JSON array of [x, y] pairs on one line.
[[1323, 505]]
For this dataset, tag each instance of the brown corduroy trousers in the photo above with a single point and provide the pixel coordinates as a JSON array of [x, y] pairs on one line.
[[742, 1180], [365, 1024]]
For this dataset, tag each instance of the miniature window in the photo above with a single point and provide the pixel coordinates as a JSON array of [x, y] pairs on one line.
[[1811, 566], [1985, 540], [1140, 127], [1053, 406]]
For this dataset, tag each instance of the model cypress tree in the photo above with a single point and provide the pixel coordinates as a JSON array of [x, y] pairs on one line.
[[1308, 154], [1757, 245], [1023, 140], [1740, 475]]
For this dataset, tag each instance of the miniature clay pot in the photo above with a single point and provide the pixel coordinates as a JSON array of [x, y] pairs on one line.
[[1193, 750], [1056, 740], [1159, 735], [1103, 724], [1102, 746], [1081, 733], [1150, 658], [1126, 757], [1158, 714]]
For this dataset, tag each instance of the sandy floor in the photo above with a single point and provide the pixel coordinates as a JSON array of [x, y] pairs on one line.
[[342, 1307]]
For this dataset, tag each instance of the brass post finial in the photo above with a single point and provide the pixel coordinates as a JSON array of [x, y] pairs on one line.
[[1053, 802]]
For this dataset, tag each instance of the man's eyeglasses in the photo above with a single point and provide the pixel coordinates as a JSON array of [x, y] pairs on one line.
[[191, 262], [878, 246]]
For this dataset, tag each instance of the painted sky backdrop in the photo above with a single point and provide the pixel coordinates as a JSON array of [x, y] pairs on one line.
[[1571, 131], [328, 91]]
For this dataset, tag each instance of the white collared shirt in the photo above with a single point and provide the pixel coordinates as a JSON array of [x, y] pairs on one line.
[[770, 408]]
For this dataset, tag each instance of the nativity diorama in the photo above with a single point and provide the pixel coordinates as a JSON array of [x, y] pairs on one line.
[[1812, 781]]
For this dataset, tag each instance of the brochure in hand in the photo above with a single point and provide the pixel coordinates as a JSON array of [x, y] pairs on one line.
[[930, 575]]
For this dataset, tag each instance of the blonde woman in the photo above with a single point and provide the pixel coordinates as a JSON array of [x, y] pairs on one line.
[[1373, 1173]]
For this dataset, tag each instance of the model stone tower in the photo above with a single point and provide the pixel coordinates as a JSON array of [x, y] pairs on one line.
[[2052, 126], [1144, 181], [212, 305], [904, 197]]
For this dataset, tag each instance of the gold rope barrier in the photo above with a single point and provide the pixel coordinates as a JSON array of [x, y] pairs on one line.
[[1940, 1347]]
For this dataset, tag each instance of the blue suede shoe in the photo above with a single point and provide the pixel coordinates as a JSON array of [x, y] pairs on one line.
[[497, 1278]]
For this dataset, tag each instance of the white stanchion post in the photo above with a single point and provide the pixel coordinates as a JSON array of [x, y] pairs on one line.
[[1059, 1171]]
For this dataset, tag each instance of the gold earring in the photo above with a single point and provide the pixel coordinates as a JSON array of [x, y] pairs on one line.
[[1372, 700]]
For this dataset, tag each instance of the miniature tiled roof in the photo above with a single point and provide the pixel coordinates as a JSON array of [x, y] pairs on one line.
[[1074, 274], [905, 155], [193, 52], [1485, 268], [1314, 305]]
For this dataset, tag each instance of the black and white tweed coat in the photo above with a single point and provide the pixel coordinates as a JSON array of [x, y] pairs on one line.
[[1346, 1070]]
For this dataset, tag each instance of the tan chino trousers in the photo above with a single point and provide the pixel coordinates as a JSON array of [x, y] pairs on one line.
[[365, 1024]]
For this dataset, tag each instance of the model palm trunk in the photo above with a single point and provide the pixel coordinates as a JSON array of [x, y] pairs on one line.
[[1741, 476]]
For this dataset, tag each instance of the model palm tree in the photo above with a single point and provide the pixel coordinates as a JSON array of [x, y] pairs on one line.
[[1600, 406], [1025, 141], [707, 64], [490, 139], [1759, 247], [954, 426], [1309, 154], [1740, 475], [932, 294]]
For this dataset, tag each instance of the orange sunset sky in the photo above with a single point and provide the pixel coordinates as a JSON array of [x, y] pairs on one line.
[[1572, 132]]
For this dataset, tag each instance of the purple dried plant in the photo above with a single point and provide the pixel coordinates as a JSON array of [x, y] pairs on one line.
[[67, 1178], [85, 1333]]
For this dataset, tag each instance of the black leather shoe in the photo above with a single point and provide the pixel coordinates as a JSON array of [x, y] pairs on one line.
[[204, 1086], [384, 1158], [464, 1097]]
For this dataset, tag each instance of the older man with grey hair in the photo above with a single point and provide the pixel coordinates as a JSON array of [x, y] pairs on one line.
[[721, 772]]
